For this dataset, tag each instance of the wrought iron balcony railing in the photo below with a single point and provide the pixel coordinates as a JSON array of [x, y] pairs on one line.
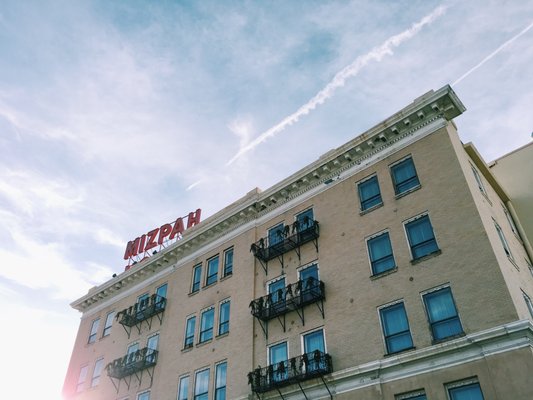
[[132, 363], [294, 370], [291, 237], [292, 297], [142, 310]]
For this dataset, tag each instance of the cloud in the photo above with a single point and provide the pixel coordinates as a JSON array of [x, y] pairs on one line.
[[376, 54], [494, 53]]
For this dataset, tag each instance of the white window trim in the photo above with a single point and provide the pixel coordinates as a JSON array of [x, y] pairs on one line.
[[418, 216], [462, 382], [215, 376], [207, 269], [302, 344], [286, 341], [196, 372], [410, 395], [187, 318], [231, 248], [139, 394], [436, 289], [310, 264], [188, 384], [375, 235], [367, 178], [100, 372], [273, 280], [90, 330], [392, 303], [84, 382], [505, 245]]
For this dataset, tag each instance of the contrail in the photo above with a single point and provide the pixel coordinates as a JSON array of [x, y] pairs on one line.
[[376, 54], [493, 54]]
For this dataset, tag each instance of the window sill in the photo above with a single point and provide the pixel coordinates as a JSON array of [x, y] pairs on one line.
[[187, 349], [384, 273], [193, 293], [200, 344], [448, 338], [399, 352], [222, 335], [426, 257], [211, 284], [363, 212], [514, 263], [408, 191], [226, 277]]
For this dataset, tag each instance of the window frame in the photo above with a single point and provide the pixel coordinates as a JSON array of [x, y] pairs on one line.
[[457, 315], [529, 303], [395, 184], [371, 262], [203, 370], [424, 215], [299, 215], [364, 181], [209, 276], [80, 385], [222, 323], [95, 325], [503, 240], [220, 388], [107, 327], [196, 283], [309, 332], [201, 338], [473, 381], [146, 392], [225, 270], [382, 324], [479, 181], [412, 395], [95, 378], [182, 379], [274, 229], [283, 341], [186, 343]]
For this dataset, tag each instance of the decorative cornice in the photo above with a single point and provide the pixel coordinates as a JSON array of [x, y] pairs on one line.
[[423, 111]]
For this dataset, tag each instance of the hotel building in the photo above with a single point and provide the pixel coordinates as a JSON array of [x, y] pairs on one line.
[[393, 267]]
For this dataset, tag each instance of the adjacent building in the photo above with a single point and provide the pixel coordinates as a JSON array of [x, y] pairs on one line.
[[393, 267]]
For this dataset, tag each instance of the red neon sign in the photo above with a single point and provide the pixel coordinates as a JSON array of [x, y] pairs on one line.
[[156, 237]]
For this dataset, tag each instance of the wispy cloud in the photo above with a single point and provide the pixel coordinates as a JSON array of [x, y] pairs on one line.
[[494, 53], [339, 80]]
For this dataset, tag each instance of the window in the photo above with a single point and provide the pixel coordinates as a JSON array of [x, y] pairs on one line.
[[305, 219], [228, 262], [416, 395], [314, 341], [369, 193], [196, 278], [442, 314], [132, 353], [465, 390], [212, 271], [503, 240], [143, 396], [404, 176], [189, 333], [275, 235], [276, 293], [529, 304], [421, 237], [510, 220], [161, 291], [395, 328], [94, 330], [309, 288], [97, 372], [277, 357], [160, 297], [183, 389], [151, 345], [220, 381], [223, 318], [206, 326], [81, 378], [380, 253], [479, 181], [142, 302], [201, 385], [108, 323]]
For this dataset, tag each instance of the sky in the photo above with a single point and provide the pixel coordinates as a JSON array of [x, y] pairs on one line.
[[119, 116]]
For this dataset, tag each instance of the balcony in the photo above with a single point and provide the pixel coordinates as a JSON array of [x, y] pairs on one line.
[[133, 364], [293, 297], [295, 370], [290, 238], [142, 311]]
